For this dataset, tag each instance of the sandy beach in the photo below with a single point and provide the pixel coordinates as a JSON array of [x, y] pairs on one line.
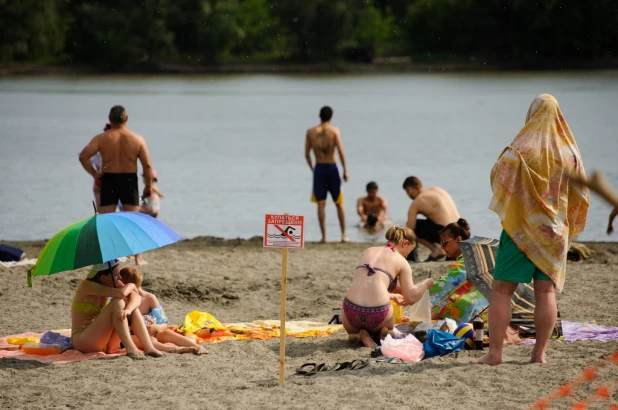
[[238, 280]]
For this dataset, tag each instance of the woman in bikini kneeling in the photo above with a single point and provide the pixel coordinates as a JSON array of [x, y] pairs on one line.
[[366, 307], [100, 324]]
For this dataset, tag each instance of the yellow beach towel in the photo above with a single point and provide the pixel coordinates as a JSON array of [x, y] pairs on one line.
[[540, 210], [266, 329]]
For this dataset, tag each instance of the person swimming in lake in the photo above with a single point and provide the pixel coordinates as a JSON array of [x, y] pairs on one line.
[[156, 320], [367, 310], [372, 208]]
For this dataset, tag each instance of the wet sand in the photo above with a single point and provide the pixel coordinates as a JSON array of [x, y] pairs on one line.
[[238, 280]]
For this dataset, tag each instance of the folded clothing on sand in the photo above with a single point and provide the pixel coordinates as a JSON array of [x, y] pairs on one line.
[[54, 338]]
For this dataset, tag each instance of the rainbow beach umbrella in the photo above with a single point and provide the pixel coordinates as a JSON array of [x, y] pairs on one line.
[[101, 238]]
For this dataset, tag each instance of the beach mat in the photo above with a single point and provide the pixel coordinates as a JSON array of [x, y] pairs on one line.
[[11, 351], [204, 327], [267, 329], [256, 330], [576, 332]]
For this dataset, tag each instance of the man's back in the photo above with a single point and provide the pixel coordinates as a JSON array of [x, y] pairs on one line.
[[323, 141], [436, 204], [120, 149]]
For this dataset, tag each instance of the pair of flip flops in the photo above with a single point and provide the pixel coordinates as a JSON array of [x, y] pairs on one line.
[[310, 369]]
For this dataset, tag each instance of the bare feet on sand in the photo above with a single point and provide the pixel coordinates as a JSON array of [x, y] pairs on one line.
[[385, 332], [488, 359], [323, 240], [139, 261], [200, 350], [182, 350], [345, 239], [154, 353], [538, 357], [366, 339], [136, 356]]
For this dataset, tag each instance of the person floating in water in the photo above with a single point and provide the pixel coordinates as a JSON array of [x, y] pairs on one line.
[[324, 140], [372, 208]]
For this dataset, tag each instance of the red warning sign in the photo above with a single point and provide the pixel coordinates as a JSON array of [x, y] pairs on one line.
[[284, 231]]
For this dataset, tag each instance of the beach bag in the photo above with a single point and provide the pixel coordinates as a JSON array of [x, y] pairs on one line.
[[440, 343], [408, 349]]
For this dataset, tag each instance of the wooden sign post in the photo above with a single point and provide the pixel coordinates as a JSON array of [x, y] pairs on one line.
[[283, 231]]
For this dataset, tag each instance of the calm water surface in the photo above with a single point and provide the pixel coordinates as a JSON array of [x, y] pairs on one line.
[[229, 149]]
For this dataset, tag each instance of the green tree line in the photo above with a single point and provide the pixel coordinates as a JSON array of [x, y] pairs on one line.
[[113, 34]]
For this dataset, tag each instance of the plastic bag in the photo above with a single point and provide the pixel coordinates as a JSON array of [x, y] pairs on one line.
[[197, 320], [421, 310], [408, 349], [53, 338], [440, 343]]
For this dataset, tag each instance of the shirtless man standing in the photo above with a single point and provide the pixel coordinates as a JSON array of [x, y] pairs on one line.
[[372, 208], [323, 140], [120, 150], [439, 209]]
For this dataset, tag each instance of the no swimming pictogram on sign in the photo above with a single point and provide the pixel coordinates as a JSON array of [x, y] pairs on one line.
[[284, 231]]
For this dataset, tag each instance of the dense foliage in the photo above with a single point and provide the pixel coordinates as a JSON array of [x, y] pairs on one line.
[[115, 33]]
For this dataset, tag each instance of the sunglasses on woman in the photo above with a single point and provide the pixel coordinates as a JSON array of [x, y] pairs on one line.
[[443, 242]]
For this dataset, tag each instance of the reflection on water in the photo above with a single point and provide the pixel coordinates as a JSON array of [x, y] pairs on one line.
[[229, 149]]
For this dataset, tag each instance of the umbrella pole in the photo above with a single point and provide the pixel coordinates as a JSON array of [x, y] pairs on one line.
[[284, 274]]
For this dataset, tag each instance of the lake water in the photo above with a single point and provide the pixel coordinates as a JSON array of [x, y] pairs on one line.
[[229, 149]]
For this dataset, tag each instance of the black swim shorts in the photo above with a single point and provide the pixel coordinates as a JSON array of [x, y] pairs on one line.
[[428, 230], [119, 187]]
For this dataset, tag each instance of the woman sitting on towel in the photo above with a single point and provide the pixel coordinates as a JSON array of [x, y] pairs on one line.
[[453, 296], [366, 307], [100, 324]]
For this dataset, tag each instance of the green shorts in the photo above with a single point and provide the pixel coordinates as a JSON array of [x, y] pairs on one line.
[[512, 265]]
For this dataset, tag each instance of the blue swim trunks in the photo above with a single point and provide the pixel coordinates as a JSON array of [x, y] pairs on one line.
[[326, 179]]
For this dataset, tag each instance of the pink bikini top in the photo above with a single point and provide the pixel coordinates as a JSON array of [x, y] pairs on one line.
[[372, 270]]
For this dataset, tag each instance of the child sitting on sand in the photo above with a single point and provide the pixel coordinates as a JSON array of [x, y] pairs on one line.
[[156, 320]]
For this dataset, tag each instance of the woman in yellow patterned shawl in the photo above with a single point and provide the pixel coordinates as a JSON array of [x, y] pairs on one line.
[[541, 210]]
